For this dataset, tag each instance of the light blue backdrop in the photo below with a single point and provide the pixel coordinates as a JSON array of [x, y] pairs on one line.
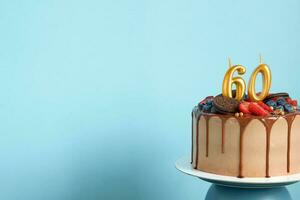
[[96, 95]]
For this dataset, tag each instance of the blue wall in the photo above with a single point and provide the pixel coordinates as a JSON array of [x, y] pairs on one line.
[[96, 95]]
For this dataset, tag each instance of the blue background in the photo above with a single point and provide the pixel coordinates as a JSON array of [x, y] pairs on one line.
[[96, 95]]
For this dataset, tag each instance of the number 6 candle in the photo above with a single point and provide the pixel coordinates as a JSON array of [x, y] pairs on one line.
[[238, 81]]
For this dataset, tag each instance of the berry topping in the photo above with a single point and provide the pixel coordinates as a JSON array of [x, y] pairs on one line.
[[288, 108], [255, 109], [272, 103], [206, 99], [275, 104], [288, 99], [281, 101], [279, 107], [200, 106], [291, 102], [244, 107], [207, 107], [294, 103], [264, 106], [206, 104]]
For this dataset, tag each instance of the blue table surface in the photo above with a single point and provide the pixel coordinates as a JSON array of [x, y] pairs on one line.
[[217, 192]]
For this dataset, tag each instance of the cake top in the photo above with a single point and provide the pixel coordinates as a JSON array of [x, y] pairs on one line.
[[239, 103]]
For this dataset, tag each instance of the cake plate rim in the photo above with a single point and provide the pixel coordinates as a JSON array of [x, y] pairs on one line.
[[183, 164]]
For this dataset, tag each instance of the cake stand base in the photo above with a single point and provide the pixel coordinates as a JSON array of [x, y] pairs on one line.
[[218, 192], [233, 188]]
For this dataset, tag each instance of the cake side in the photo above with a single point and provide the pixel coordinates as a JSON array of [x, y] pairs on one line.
[[245, 147]]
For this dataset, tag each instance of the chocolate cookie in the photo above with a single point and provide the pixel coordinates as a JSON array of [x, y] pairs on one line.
[[280, 94], [225, 105]]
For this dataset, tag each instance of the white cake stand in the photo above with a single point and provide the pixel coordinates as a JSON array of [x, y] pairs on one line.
[[227, 187]]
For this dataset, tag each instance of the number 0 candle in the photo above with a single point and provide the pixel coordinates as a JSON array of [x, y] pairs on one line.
[[266, 76]]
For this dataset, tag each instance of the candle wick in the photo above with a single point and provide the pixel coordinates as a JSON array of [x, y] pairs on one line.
[[260, 59], [229, 62]]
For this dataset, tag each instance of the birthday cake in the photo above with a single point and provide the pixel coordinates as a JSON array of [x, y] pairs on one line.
[[246, 134]]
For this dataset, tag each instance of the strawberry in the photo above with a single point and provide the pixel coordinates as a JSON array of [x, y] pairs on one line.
[[264, 106], [294, 103], [255, 109], [291, 102], [243, 107], [288, 99]]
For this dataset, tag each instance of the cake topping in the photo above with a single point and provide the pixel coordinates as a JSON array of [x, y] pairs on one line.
[[275, 96], [244, 107], [206, 104], [292, 102], [281, 102], [238, 103], [225, 104], [258, 110], [265, 107]]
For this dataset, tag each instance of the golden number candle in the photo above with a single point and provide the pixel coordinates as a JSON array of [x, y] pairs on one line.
[[266, 75], [229, 80]]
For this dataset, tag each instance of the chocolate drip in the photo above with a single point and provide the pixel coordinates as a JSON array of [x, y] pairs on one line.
[[268, 123], [207, 117], [289, 119], [192, 138], [243, 124], [223, 134], [197, 138]]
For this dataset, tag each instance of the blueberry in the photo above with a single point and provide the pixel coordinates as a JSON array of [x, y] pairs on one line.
[[200, 106], [209, 101], [279, 107], [288, 108], [245, 96], [207, 107], [281, 101], [271, 103]]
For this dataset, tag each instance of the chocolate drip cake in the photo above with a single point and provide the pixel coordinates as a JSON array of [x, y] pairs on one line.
[[246, 136]]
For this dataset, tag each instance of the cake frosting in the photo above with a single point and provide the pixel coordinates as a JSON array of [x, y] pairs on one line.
[[245, 137], [245, 146]]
